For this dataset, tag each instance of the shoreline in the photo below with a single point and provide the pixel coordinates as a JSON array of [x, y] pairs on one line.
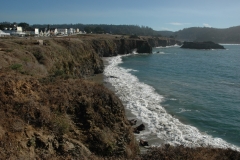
[[146, 134]]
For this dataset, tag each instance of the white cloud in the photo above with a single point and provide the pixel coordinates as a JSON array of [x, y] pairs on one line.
[[206, 25], [176, 24], [165, 29]]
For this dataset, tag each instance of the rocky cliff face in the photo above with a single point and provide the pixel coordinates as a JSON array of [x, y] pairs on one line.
[[161, 42], [48, 112], [108, 48], [46, 118], [77, 57]]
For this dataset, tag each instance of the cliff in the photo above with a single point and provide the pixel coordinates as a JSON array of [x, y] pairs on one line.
[[55, 118], [77, 56], [201, 45], [161, 42], [48, 111]]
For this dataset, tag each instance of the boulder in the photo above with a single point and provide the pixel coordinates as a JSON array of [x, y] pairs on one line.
[[141, 127], [143, 143], [136, 131]]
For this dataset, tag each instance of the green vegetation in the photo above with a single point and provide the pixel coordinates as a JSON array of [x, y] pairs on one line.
[[228, 35], [16, 66]]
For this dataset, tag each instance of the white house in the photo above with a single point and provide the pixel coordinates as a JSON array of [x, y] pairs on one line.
[[62, 31], [19, 29], [70, 31], [36, 32], [3, 34]]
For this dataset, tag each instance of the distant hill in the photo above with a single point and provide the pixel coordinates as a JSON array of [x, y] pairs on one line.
[[228, 35]]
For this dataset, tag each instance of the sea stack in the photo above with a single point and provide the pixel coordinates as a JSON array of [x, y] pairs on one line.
[[202, 45]]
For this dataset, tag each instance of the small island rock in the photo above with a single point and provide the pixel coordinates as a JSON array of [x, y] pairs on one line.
[[201, 45]]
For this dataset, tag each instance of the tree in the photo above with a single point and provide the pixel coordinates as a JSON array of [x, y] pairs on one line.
[[25, 26], [88, 29], [98, 30]]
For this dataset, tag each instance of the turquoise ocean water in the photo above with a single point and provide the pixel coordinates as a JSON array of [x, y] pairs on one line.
[[189, 97]]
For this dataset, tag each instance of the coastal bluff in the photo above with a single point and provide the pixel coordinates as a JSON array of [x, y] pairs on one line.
[[202, 45], [48, 108]]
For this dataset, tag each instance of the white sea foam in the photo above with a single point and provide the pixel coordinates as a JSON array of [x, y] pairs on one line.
[[229, 44], [169, 46], [183, 110], [159, 53], [144, 102]]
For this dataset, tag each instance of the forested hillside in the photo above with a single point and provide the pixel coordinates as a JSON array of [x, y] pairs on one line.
[[228, 35]]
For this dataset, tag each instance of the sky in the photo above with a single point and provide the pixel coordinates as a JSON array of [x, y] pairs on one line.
[[172, 15]]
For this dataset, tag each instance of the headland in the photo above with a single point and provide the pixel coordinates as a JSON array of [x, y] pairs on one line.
[[51, 110]]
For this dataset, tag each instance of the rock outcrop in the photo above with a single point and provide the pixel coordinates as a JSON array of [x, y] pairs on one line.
[[161, 42], [201, 45], [48, 111]]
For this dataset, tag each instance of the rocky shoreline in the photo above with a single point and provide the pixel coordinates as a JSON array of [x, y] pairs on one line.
[[51, 106], [146, 134]]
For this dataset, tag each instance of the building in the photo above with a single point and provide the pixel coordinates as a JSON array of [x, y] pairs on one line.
[[53, 31], [70, 31], [62, 31], [19, 29], [3, 34], [15, 31], [36, 30]]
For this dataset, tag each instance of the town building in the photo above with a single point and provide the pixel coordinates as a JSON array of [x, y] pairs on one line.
[[3, 34]]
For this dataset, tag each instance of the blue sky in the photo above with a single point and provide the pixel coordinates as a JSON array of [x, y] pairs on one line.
[[158, 14]]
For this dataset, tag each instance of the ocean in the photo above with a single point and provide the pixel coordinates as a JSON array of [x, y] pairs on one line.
[[186, 97]]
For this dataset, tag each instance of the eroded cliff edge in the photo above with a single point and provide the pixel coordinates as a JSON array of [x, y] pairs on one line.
[[48, 110]]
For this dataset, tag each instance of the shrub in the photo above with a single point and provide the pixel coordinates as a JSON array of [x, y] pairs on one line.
[[16, 66], [39, 56], [60, 125], [134, 36]]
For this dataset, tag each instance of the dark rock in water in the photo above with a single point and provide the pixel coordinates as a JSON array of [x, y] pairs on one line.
[[201, 45], [133, 122], [141, 127], [143, 143], [112, 77], [136, 131]]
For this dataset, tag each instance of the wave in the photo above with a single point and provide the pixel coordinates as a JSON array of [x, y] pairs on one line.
[[169, 46], [183, 110], [157, 52], [229, 44], [145, 103]]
